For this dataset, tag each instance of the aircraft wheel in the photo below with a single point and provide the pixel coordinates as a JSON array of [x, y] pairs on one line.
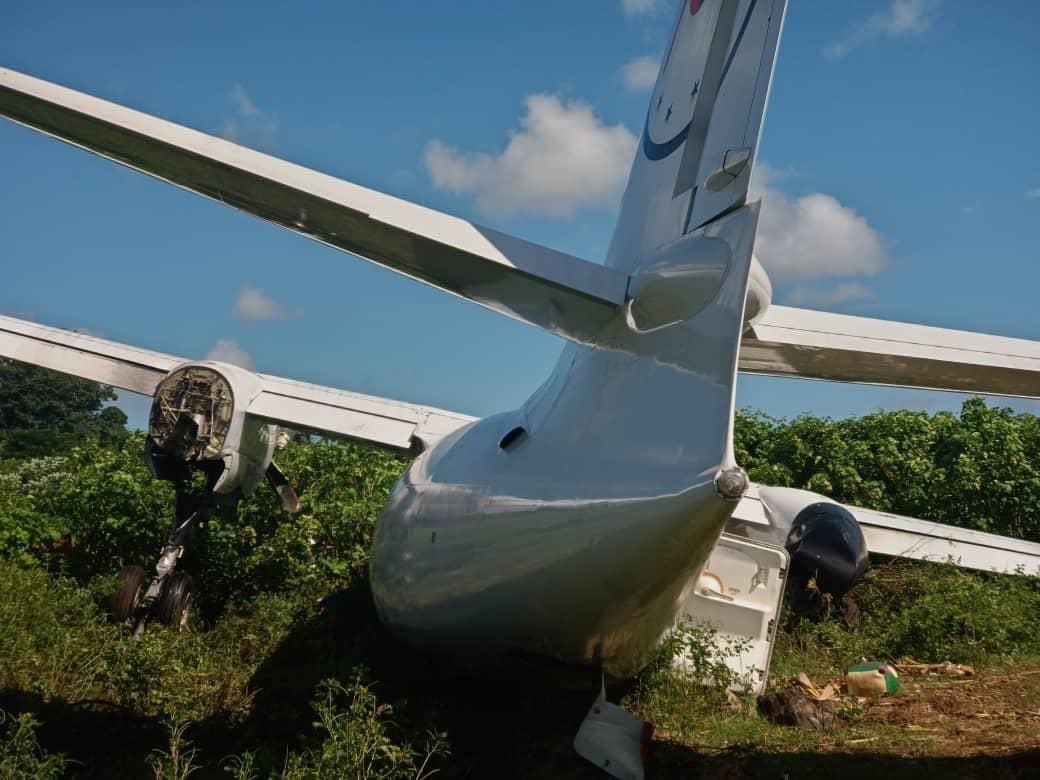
[[133, 580], [175, 602]]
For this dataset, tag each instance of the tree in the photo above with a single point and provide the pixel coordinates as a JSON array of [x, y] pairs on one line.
[[979, 469], [43, 412]]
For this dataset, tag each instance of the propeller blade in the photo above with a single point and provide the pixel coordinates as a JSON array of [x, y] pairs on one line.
[[277, 480]]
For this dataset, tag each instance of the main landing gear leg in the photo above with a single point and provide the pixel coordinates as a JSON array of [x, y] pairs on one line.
[[168, 596]]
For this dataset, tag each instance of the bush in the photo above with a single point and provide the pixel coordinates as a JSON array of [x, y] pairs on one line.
[[21, 757], [95, 509], [360, 740], [930, 612], [979, 470]]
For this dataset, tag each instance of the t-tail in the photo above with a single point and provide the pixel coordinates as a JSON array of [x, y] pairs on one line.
[[702, 128]]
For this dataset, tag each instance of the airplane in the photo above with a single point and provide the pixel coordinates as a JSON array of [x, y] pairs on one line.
[[572, 533]]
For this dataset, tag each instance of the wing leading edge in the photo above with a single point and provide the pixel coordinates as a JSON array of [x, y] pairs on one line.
[[553, 290]]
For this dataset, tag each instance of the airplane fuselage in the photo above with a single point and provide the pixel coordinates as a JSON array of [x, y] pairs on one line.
[[568, 529]]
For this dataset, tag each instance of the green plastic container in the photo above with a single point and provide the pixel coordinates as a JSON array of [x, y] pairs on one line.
[[872, 678]]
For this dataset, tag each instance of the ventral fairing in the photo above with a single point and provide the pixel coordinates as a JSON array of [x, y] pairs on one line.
[[571, 533]]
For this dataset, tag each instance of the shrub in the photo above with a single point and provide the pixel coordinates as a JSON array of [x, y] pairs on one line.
[[21, 757], [931, 612], [360, 740], [95, 509], [980, 469]]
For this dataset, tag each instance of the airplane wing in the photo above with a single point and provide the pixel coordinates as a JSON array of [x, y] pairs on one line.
[[566, 295], [837, 347], [297, 405], [924, 540], [766, 514]]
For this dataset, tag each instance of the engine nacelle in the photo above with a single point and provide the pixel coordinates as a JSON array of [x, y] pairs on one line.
[[198, 421], [823, 538], [826, 544], [759, 294]]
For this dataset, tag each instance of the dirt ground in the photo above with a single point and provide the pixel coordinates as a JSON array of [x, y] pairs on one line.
[[987, 727], [993, 714]]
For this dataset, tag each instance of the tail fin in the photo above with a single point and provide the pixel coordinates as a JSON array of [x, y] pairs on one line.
[[702, 128]]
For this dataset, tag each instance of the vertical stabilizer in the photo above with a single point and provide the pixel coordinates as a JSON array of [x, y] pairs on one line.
[[702, 128]]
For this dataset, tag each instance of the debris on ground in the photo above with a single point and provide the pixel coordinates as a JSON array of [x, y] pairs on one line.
[[945, 669], [872, 679], [828, 692], [794, 707]]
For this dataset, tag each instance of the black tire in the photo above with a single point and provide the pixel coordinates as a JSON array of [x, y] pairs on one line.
[[175, 602], [133, 580]]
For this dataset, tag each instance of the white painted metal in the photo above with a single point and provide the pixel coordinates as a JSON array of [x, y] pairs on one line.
[[276, 400], [562, 293], [766, 514], [709, 99], [109, 362], [923, 540], [611, 738], [575, 543], [739, 593], [819, 345], [572, 538], [324, 409]]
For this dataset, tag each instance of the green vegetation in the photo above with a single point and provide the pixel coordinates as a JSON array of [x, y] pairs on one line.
[[979, 469], [286, 672], [43, 412]]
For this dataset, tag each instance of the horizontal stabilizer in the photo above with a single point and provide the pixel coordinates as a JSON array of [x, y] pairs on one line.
[[564, 294], [838, 347], [297, 405]]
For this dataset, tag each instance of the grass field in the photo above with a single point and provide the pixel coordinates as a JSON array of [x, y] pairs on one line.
[[297, 687], [285, 671]]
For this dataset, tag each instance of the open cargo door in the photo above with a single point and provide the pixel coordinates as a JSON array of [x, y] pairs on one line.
[[739, 593]]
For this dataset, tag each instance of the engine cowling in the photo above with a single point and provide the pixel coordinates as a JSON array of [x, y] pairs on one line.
[[827, 548], [829, 553]]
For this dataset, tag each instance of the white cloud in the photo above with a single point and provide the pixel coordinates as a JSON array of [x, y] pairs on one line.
[[901, 18], [640, 73], [812, 236], [562, 159], [845, 292], [228, 351], [255, 304], [1033, 193], [633, 8], [243, 104], [248, 124]]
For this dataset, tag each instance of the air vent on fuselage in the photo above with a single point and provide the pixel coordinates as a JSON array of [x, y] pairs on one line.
[[511, 438]]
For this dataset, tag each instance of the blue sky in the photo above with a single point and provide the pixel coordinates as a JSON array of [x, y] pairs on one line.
[[900, 145]]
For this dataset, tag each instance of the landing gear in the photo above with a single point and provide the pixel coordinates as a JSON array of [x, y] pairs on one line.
[[175, 603], [132, 582], [168, 595]]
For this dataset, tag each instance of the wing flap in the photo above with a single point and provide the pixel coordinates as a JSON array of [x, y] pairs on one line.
[[562, 293], [328, 410], [837, 347]]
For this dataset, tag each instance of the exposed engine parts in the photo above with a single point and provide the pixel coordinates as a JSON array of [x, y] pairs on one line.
[[198, 426], [191, 414]]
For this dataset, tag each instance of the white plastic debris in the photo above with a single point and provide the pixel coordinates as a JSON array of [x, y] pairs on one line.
[[613, 739]]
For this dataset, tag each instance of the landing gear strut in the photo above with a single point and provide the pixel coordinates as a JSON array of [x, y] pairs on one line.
[[168, 595]]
